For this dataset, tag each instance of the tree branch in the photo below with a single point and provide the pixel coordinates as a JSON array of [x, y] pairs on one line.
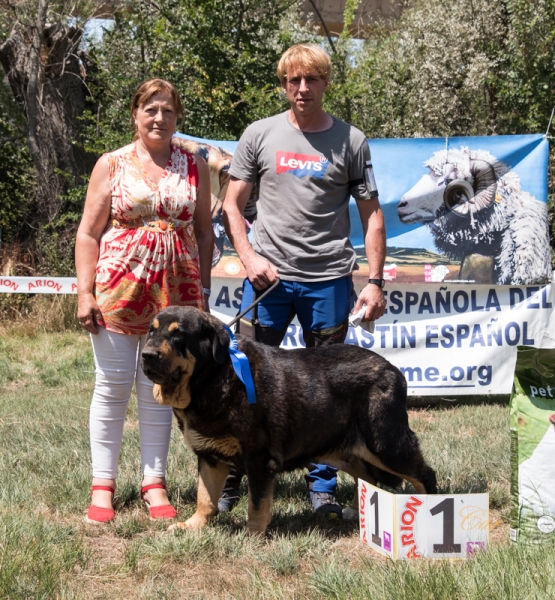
[[328, 34]]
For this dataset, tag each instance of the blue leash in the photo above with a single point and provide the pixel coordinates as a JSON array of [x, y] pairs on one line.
[[239, 359], [241, 366]]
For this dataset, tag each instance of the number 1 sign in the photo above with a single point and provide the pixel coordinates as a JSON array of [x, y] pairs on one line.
[[421, 525]]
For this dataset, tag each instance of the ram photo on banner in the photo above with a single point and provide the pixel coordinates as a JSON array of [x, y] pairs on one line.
[[458, 210]]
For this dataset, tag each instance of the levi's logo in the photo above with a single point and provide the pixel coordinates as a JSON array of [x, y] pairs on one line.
[[301, 165]]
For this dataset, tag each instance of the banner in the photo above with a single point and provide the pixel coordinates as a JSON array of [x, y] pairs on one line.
[[38, 285], [457, 210]]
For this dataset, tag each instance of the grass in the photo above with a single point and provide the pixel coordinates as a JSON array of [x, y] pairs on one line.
[[47, 551]]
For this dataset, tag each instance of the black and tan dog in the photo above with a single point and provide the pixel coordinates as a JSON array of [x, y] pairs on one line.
[[341, 405]]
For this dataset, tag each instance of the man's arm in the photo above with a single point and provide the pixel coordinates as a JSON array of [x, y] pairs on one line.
[[261, 273], [373, 227]]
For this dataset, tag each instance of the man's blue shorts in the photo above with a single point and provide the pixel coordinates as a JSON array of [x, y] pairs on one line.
[[319, 305]]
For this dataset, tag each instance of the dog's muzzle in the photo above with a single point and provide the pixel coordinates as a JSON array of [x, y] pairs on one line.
[[155, 367]]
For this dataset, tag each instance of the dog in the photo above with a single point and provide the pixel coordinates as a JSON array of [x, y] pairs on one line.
[[340, 405]]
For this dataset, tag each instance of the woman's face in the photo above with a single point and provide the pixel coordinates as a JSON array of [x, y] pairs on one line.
[[156, 119]]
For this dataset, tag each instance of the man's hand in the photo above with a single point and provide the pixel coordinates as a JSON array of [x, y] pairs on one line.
[[372, 296], [261, 272]]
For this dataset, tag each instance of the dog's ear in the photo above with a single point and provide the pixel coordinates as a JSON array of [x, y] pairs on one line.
[[216, 340]]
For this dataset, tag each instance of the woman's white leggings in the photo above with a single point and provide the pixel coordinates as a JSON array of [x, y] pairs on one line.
[[117, 359]]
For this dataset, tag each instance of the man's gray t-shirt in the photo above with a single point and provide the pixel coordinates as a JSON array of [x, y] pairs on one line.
[[304, 184]]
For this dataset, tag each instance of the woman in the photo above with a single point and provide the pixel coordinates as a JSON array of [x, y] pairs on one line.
[[145, 242]]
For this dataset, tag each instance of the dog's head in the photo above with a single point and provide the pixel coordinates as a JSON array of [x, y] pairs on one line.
[[181, 341]]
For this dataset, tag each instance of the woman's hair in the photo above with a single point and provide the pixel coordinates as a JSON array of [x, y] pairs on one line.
[[149, 88], [307, 57]]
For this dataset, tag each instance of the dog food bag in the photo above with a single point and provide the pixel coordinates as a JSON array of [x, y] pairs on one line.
[[532, 411]]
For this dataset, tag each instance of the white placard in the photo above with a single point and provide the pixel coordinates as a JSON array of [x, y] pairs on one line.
[[423, 526], [377, 510]]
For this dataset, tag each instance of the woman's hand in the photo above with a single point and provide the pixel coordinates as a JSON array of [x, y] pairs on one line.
[[88, 313]]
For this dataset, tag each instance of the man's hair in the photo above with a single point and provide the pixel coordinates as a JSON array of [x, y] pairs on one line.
[[150, 88], [307, 57]]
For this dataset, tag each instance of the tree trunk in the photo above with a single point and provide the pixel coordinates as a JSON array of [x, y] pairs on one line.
[[32, 94], [46, 71]]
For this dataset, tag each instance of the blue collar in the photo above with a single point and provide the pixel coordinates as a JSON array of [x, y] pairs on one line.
[[241, 366]]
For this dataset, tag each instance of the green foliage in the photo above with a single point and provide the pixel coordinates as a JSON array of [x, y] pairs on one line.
[[36, 556], [349, 16], [38, 208], [220, 55], [28, 315], [56, 252], [515, 573], [482, 67], [527, 82], [431, 74]]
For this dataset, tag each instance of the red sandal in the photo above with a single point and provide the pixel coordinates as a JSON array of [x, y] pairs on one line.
[[97, 514], [166, 511]]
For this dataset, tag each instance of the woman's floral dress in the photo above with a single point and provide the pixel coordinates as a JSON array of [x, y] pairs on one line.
[[148, 257]]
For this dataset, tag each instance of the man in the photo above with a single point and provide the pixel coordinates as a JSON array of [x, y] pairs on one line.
[[306, 164]]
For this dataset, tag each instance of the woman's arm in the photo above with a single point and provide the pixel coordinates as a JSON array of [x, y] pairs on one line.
[[203, 226], [87, 243]]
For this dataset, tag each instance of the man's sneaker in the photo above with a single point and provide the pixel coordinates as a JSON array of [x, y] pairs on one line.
[[325, 505], [228, 500]]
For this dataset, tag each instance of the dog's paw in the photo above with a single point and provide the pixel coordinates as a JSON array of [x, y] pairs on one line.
[[175, 526], [256, 532], [196, 522], [257, 527]]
